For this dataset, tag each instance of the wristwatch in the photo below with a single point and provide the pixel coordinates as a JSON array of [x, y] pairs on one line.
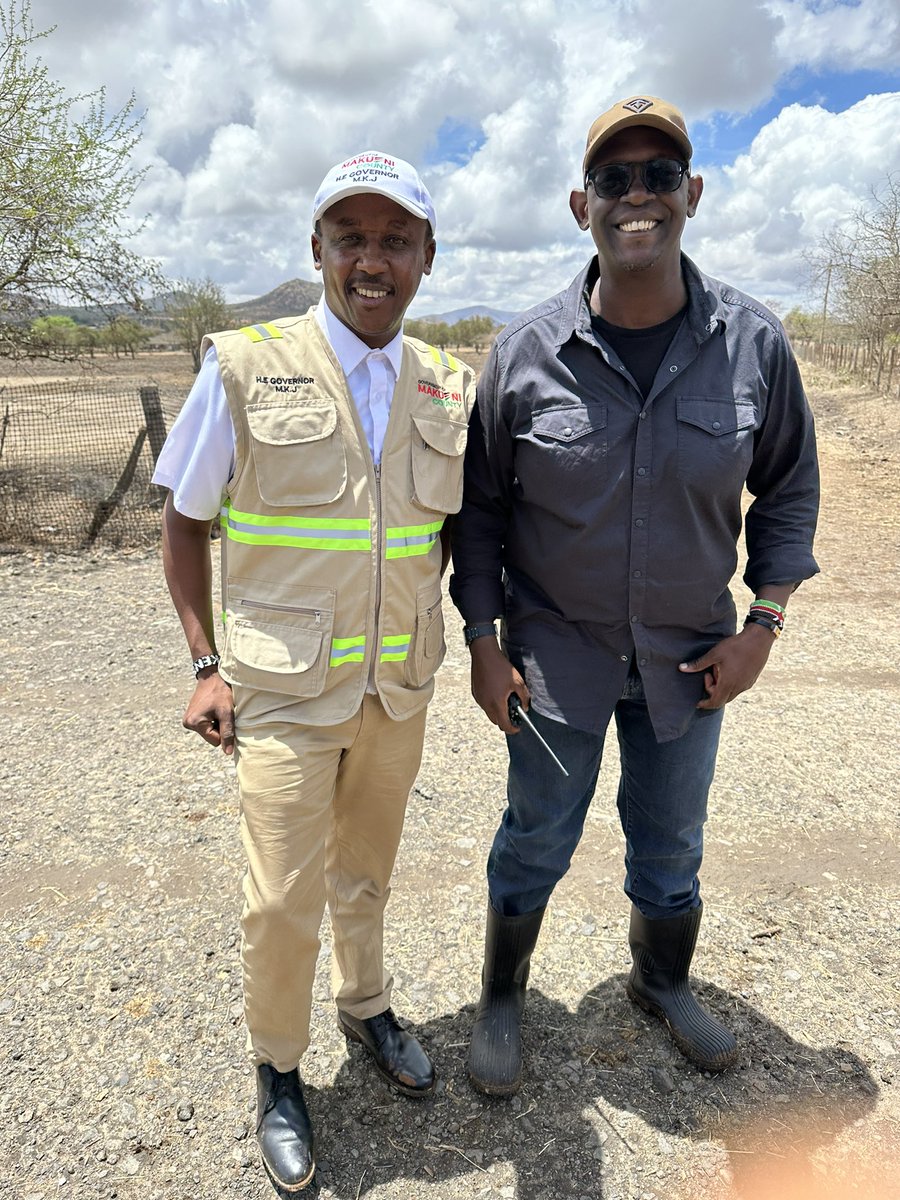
[[206, 660], [471, 632]]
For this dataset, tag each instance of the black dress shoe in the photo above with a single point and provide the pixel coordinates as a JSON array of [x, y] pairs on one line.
[[397, 1054], [284, 1130]]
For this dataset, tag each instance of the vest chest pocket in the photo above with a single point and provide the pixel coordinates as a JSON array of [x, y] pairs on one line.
[[279, 647], [298, 452], [437, 464], [428, 646]]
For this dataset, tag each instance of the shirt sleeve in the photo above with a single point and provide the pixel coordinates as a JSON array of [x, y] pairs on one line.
[[784, 479], [197, 459], [479, 529]]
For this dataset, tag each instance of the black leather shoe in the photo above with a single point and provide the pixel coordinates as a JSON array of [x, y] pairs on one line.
[[284, 1130], [397, 1054]]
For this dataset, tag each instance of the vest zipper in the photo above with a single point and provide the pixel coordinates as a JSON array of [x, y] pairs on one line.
[[291, 608], [378, 562]]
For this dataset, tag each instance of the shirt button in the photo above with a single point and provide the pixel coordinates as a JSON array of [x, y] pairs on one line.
[[642, 470], [637, 574], [623, 658], [634, 620], [639, 522], [673, 369], [643, 662], [643, 416], [717, 425], [567, 431]]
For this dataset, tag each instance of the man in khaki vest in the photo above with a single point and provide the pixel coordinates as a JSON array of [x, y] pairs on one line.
[[331, 446]]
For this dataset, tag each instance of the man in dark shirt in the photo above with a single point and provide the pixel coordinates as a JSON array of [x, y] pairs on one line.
[[616, 427]]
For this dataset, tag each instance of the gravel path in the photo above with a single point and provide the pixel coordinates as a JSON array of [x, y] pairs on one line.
[[121, 1042]]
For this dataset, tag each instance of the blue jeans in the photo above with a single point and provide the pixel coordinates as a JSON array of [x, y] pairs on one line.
[[663, 789]]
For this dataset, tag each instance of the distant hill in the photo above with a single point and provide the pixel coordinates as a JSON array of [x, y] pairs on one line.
[[474, 310], [287, 300]]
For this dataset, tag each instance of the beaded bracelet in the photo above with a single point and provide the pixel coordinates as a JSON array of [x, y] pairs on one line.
[[770, 604], [762, 608]]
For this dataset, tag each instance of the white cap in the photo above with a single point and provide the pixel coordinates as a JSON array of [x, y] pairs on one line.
[[372, 171]]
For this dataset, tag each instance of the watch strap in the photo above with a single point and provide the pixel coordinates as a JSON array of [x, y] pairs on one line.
[[472, 632]]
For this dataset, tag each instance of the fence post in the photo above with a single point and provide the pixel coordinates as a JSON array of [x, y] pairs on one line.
[[156, 425]]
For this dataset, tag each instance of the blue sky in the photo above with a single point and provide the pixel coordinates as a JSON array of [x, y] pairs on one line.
[[721, 138], [793, 107]]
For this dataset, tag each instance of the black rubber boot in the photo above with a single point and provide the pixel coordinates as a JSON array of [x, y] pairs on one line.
[[495, 1054], [662, 951], [284, 1130]]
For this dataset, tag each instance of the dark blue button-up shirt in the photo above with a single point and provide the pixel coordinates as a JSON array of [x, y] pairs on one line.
[[602, 526]]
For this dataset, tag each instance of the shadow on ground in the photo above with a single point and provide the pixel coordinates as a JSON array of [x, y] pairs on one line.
[[589, 1074]]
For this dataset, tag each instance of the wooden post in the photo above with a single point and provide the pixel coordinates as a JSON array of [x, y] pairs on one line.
[[106, 508], [156, 425]]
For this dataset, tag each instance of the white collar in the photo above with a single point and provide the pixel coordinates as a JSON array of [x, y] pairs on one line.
[[351, 350]]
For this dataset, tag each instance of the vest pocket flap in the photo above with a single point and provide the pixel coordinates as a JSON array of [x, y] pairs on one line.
[[447, 437], [568, 424], [716, 417], [279, 425], [428, 647], [275, 649]]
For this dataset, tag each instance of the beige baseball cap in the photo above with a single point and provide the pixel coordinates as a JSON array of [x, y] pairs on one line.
[[638, 110]]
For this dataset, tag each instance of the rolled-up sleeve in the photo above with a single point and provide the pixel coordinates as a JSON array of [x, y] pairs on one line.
[[784, 479]]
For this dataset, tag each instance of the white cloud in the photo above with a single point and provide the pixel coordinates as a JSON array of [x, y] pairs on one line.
[[835, 33], [805, 171], [248, 103]]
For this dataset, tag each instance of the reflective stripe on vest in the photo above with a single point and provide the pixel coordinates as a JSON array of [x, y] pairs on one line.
[[306, 533], [445, 360], [347, 650], [261, 333], [395, 648], [405, 541]]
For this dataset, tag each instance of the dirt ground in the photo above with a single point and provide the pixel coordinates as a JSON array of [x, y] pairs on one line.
[[122, 1069]]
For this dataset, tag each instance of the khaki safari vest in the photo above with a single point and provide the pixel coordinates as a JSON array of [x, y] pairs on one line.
[[331, 566]]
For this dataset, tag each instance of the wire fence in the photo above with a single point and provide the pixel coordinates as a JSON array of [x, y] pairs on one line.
[[871, 362], [76, 461]]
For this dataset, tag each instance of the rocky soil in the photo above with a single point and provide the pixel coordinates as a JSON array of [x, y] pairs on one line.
[[122, 1069]]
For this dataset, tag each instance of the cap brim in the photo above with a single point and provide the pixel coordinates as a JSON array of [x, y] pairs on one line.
[[671, 131], [358, 189]]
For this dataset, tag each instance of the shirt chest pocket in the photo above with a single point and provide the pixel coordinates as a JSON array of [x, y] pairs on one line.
[[715, 440], [437, 448], [298, 453], [563, 455]]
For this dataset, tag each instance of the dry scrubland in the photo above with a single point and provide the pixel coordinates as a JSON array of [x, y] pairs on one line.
[[121, 1059]]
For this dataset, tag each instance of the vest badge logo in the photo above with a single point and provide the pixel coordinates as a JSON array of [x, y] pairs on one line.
[[638, 104], [439, 396], [285, 383]]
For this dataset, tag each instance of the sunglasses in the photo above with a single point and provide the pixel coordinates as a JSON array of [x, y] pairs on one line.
[[612, 180]]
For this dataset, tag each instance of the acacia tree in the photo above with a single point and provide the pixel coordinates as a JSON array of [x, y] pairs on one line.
[[66, 183], [857, 265], [198, 307]]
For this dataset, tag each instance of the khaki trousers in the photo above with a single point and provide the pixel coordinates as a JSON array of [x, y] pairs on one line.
[[322, 811]]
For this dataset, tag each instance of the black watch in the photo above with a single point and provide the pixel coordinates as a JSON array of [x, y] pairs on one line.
[[471, 632]]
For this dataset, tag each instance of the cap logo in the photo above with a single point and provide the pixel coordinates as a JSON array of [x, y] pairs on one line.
[[638, 105]]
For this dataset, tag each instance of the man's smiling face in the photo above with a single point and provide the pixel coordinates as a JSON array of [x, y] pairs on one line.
[[636, 231], [372, 253]]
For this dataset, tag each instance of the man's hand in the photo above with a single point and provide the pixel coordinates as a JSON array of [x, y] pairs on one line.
[[211, 712], [494, 678], [732, 666]]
